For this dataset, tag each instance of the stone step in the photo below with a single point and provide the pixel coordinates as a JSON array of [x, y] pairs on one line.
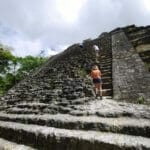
[[63, 103], [7, 145], [51, 110], [64, 110], [111, 108], [62, 139], [105, 70], [107, 79], [107, 74], [11, 102], [105, 60], [107, 92], [79, 101], [124, 125], [3, 107], [104, 55], [145, 56], [33, 105], [105, 65], [16, 110], [142, 38], [107, 85], [136, 35]]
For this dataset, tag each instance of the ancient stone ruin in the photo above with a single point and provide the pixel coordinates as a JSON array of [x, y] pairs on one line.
[[54, 107]]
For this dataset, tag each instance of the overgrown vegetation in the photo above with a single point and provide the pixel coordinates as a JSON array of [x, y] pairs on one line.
[[13, 69], [81, 72], [141, 100]]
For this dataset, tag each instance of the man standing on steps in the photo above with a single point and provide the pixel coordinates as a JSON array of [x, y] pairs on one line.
[[97, 50], [97, 81]]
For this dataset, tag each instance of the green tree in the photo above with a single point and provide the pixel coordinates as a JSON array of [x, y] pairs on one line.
[[13, 69], [28, 64], [5, 57]]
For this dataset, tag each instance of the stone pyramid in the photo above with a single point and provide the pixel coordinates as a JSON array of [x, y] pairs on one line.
[[54, 107]]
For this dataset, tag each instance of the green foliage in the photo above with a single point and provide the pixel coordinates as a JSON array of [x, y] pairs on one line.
[[1, 86], [141, 100], [6, 83], [5, 57], [81, 72], [13, 69], [28, 64]]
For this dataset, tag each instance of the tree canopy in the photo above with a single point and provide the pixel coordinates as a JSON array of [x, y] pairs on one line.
[[13, 69]]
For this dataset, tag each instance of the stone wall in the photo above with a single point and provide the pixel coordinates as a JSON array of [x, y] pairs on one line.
[[130, 77]]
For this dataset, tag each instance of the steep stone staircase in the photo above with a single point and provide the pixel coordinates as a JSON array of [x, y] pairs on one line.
[[105, 63], [54, 108], [104, 125]]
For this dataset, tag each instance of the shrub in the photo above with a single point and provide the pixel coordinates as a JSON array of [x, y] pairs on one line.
[[141, 100]]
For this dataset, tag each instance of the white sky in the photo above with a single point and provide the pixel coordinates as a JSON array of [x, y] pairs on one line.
[[33, 25]]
